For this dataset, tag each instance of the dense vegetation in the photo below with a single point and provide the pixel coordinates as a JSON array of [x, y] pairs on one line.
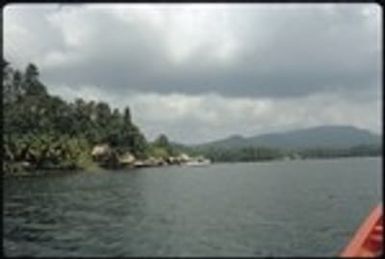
[[44, 131], [355, 151], [252, 153]]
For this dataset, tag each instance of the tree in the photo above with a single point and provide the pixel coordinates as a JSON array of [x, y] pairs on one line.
[[7, 83], [46, 130], [17, 83], [127, 115], [32, 85], [163, 142], [103, 113]]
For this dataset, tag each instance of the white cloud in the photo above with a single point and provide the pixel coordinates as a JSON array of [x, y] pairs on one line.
[[74, 24], [186, 29]]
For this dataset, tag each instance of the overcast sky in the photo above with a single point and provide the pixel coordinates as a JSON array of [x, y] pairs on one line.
[[200, 72]]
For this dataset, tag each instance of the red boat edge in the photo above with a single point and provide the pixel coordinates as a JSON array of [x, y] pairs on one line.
[[368, 239]]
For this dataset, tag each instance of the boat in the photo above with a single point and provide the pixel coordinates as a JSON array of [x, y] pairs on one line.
[[203, 162], [368, 240]]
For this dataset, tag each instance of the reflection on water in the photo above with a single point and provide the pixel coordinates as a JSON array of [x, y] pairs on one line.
[[292, 208]]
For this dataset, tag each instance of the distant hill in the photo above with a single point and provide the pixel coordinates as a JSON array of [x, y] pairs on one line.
[[316, 137]]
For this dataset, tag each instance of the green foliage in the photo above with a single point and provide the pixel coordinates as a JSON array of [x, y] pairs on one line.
[[360, 150], [246, 154], [161, 147], [46, 131], [158, 152]]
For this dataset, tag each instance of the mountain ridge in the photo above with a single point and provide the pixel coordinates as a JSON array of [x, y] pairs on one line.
[[328, 136]]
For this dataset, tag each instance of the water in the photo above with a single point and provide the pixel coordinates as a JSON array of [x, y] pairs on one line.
[[286, 208]]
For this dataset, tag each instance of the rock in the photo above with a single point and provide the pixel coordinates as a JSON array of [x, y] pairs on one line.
[[139, 163], [101, 150], [127, 158], [184, 157]]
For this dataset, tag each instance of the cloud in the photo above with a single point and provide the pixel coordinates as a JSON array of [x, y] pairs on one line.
[[246, 50], [217, 68]]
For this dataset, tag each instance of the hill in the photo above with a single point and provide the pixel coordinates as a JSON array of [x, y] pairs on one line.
[[316, 137]]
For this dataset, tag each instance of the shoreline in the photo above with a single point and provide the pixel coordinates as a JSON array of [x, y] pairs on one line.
[[90, 168]]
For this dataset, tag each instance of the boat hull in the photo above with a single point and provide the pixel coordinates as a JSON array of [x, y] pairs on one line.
[[197, 163], [368, 240]]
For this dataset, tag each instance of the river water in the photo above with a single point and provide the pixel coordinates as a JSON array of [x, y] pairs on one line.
[[282, 208]]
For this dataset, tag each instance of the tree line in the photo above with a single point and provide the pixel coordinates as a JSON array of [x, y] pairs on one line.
[[258, 153], [43, 130]]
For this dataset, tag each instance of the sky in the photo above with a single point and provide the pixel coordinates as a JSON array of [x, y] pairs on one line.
[[201, 72]]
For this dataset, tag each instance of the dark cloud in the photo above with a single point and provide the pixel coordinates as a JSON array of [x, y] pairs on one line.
[[286, 51], [230, 57]]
